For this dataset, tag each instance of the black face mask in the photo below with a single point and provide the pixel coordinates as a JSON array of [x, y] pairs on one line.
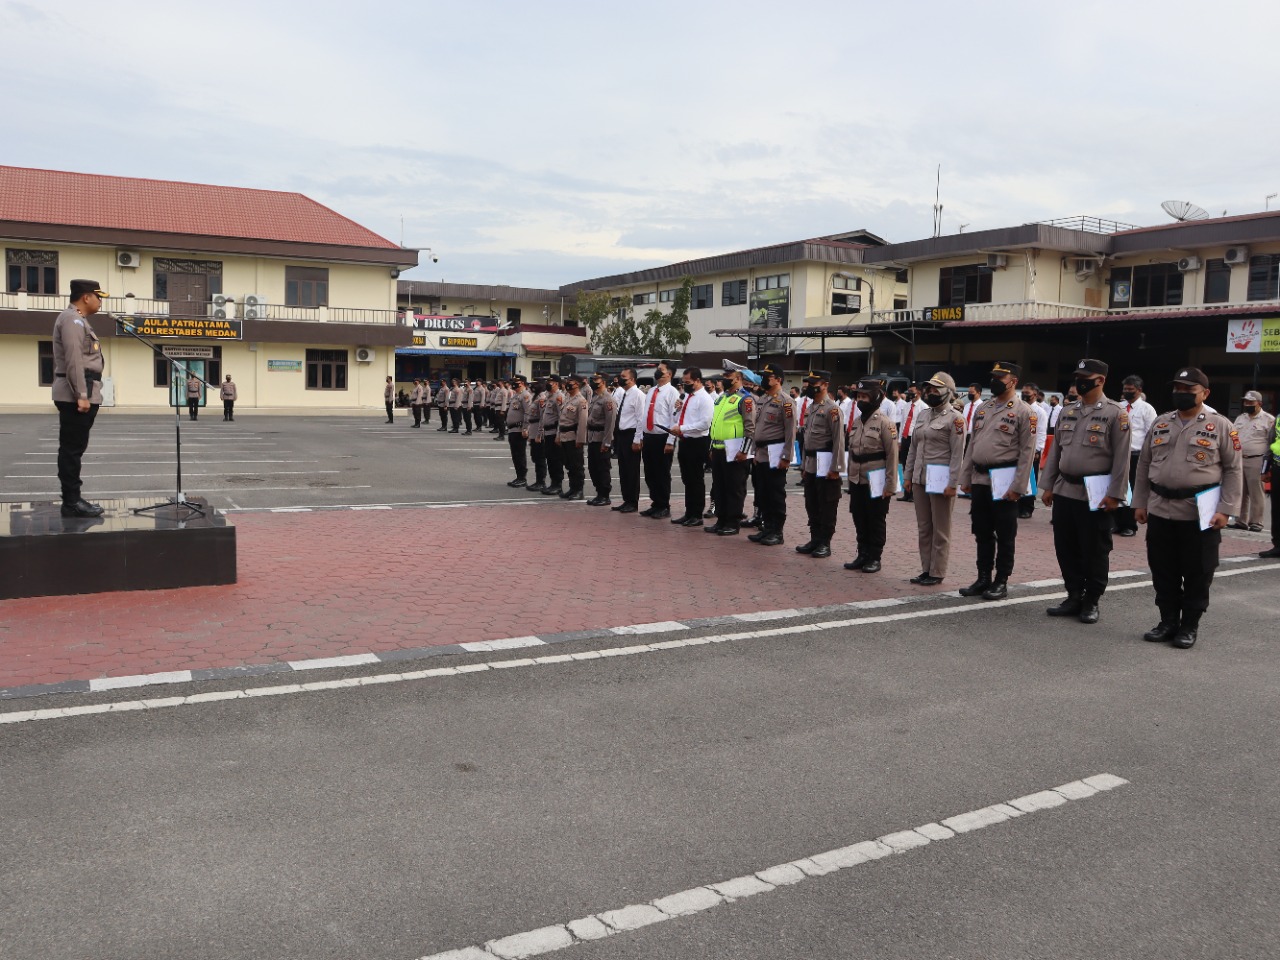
[[998, 387], [1250, 408], [1130, 395], [933, 399], [1184, 401], [811, 392], [688, 387], [1085, 386], [867, 407], [1027, 398]]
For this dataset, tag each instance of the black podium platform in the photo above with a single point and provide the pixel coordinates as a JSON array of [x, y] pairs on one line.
[[43, 553]]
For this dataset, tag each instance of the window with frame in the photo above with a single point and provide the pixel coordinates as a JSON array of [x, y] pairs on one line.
[[31, 271], [1217, 281], [541, 368], [640, 299], [846, 303], [902, 276], [162, 368], [733, 293], [513, 316], [1151, 285], [967, 284], [306, 287], [668, 296], [44, 361], [773, 282], [1264, 277], [846, 283], [701, 296], [326, 369]]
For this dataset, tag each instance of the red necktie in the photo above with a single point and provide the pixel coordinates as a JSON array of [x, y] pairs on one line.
[[803, 410], [906, 427], [652, 401], [684, 408], [968, 419], [1128, 408]]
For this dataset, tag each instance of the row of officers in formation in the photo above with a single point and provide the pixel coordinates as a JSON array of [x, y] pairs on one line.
[[1185, 483]]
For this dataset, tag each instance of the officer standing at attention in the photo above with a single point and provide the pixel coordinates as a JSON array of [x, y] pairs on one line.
[[193, 395], [500, 410], [455, 406], [1091, 440], [824, 433], [388, 398], [1004, 436], [571, 437], [465, 397], [775, 424], [733, 422], [631, 411], [602, 414], [872, 445], [227, 392], [442, 405], [1188, 452], [415, 402], [693, 430], [1255, 427], [938, 446], [655, 453], [533, 433], [550, 433], [516, 413], [77, 390]]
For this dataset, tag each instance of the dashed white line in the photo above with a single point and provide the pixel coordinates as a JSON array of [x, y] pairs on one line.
[[609, 923]]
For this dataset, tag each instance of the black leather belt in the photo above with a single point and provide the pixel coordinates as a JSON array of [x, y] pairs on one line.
[[866, 457], [89, 376], [829, 448], [1071, 477], [987, 468], [1181, 493]]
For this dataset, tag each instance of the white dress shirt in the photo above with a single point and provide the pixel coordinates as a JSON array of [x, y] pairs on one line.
[[631, 409], [970, 408], [1141, 416], [1042, 425], [921, 408], [662, 401], [890, 409], [846, 410], [694, 418], [900, 412]]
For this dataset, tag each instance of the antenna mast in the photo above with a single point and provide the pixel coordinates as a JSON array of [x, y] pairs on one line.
[[937, 205]]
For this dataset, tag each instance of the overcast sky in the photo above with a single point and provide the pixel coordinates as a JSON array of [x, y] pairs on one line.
[[537, 144]]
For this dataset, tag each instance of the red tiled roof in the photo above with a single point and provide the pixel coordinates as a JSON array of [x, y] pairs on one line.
[[166, 206]]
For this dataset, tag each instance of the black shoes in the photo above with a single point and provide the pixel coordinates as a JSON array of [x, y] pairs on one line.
[[997, 591], [856, 563], [710, 513], [1126, 533], [1162, 631], [1023, 515], [919, 578], [81, 508], [659, 514], [683, 519], [537, 487], [573, 495], [871, 566], [771, 540], [517, 483], [977, 588], [807, 547], [929, 581], [725, 531], [1070, 607], [1089, 611], [1185, 638], [599, 502], [1270, 554], [691, 522], [754, 522], [553, 491], [416, 426], [820, 552], [627, 508], [757, 536]]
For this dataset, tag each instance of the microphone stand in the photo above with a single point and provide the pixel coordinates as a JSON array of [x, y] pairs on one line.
[[179, 500]]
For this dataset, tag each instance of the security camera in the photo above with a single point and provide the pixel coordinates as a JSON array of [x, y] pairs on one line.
[[435, 259]]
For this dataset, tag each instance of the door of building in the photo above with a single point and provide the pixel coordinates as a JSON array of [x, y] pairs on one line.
[[188, 295], [178, 381]]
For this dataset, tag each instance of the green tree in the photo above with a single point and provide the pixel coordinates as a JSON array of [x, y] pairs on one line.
[[613, 331]]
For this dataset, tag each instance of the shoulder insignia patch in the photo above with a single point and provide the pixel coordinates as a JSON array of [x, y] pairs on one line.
[[1156, 441], [1211, 426], [787, 411], [834, 413], [1201, 456], [1235, 439], [746, 404], [1162, 426], [1034, 420], [1009, 404]]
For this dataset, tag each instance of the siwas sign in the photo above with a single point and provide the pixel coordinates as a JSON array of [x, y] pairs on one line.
[[1254, 335]]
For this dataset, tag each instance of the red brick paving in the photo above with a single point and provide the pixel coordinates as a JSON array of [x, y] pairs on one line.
[[339, 582]]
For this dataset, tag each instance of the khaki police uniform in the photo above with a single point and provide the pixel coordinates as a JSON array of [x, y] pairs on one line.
[[227, 393], [871, 445], [1255, 442], [1180, 459], [1090, 440], [937, 439], [193, 398], [515, 416], [415, 404], [388, 399], [1004, 435], [602, 416], [775, 424], [824, 433], [455, 408], [442, 406], [550, 429], [572, 437], [77, 375], [538, 449]]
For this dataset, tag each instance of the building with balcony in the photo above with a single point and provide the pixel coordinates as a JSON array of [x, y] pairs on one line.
[[295, 301]]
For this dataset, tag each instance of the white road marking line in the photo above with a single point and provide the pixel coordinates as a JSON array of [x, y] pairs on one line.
[[415, 503], [510, 643], [698, 899], [140, 680], [60, 713], [352, 660]]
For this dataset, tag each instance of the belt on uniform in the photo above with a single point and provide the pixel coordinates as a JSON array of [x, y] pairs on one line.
[[987, 468], [866, 457], [1253, 456], [89, 376], [827, 449], [1180, 493], [1071, 477]]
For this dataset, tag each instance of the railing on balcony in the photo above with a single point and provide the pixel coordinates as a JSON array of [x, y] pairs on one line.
[[1271, 303], [1013, 310]]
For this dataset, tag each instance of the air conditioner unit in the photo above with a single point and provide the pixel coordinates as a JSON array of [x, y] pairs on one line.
[[1086, 268], [255, 306], [365, 354], [1236, 255], [128, 258], [997, 260], [222, 307], [1189, 263]]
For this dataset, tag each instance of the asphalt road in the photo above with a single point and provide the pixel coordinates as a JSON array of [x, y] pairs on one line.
[[400, 820], [261, 461]]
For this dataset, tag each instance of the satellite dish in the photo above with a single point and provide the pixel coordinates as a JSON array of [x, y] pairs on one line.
[[1184, 210]]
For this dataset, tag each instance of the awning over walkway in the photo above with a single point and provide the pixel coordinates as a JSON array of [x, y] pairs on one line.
[[429, 352]]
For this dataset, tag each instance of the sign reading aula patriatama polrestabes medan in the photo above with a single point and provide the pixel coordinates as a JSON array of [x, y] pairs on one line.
[[194, 328]]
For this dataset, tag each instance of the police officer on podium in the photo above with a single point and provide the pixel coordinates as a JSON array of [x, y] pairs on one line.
[[77, 390], [1090, 445], [1189, 454]]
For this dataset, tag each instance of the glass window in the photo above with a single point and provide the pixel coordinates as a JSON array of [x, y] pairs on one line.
[[846, 303], [31, 271], [513, 316], [326, 369], [960, 285], [44, 359], [306, 286], [773, 282], [846, 283], [1217, 281], [668, 296], [733, 293], [701, 296], [541, 368], [1264, 277], [640, 299]]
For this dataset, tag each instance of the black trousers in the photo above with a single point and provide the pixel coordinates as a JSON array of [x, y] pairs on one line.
[[555, 462], [1027, 504], [1182, 558], [193, 407], [692, 453], [571, 455], [444, 418], [600, 467], [904, 448], [502, 423], [1082, 540], [729, 480], [1124, 515], [417, 414], [1275, 506], [517, 443], [995, 528], [228, 409], [73, 440], [821, 503], [771, 496], [657, 469], [538, 450], [466, 416], [870, 520], [628, 466], [426, 413], [455, 415]]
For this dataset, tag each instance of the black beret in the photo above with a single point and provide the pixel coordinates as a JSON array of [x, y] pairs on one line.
[[1092, 366]]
